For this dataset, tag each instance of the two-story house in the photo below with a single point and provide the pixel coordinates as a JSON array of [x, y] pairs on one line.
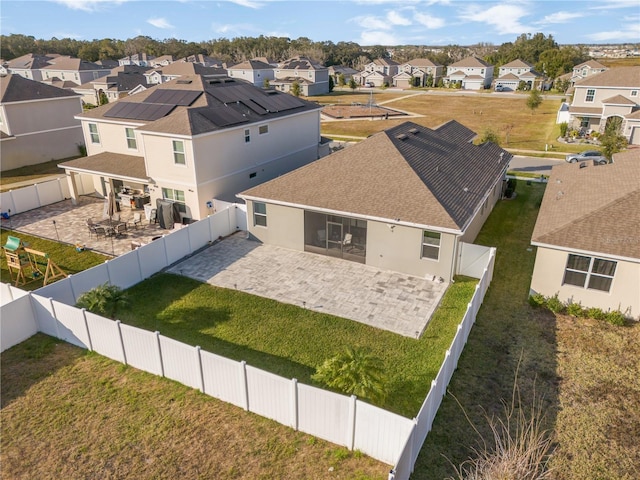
[[419, 72], [611, 94], [29, 65], [203, 60], [76, 70], [472, 73], [139, 59], [313, 78], [252, 71], [193, 139], [379, 73], [586, 69], [513, 73], [120, 82], [179, 69], [37, 122], [347, 73]]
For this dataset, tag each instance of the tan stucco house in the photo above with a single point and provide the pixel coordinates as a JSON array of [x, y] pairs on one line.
[[37, 122], [610, 94], [312, 77], [588, 235], [252, 71], [378, 73], [418, 70], [191, 140], [401, 200], [511, 74], [472, 73]]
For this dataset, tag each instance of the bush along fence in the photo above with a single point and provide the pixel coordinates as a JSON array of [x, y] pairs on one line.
[[340, 419], [554, 304]]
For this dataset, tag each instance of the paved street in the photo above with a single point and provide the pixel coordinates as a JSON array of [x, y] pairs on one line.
[[540, 166]]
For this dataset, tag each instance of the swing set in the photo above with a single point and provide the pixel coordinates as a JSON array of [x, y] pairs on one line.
[[27, 265]]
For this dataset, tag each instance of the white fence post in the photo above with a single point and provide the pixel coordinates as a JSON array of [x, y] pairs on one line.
[[294, 403], [200, 368], [124, 354], [86, 326], [159, 352], [352, 422], [245, 385], [73, 292], [55, 317]]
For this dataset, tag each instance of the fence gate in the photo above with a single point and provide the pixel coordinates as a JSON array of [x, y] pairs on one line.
[[472, 259]]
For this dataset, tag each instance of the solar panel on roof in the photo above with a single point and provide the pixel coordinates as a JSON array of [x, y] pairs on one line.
[[223, 116], [139, 111], [173, 97]]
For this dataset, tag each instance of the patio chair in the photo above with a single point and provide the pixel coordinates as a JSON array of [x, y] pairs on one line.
[[137, 219], [100, 231], [153, 216], [120, 230], [347, 242]]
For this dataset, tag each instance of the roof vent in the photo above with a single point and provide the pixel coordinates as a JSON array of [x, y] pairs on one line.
[[184, 82], [465, 189], [414, 130], [401, 136]]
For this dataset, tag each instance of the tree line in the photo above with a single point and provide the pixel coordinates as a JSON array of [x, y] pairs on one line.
[[538, 49]]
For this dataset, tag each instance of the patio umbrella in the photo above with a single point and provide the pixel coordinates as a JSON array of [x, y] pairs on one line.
[[111, 205]]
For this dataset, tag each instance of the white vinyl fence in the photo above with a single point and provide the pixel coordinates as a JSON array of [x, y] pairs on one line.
[[34, 196], [342, 420]]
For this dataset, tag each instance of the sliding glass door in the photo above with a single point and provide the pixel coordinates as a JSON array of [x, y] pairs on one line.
[[335, 236]]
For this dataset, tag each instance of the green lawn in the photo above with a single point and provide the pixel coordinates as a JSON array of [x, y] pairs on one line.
[[31, 173], [65, 256], [291, 341]]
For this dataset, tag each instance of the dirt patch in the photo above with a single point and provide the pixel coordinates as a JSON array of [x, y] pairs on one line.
[[360, 111]]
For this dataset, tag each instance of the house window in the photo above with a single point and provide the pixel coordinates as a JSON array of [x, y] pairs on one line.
[[259, 214], [430, 245], [589, 272], [93, 133], [175, 196], [178, 153], [263, 129], [131, 138], [634, 93], [584, 122], [247, 136], [591, 93]]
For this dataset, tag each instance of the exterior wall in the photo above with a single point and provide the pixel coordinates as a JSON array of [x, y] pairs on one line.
[[476, 224], [602, 93], [43, 131], [79, 77], [112, 138], [256, 77], [548, 274], [285, 226], [27, 73]]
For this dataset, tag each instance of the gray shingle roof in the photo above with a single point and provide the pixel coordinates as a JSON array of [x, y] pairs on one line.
[[14, 88], [111, 164], [408, 172], [615, 77]]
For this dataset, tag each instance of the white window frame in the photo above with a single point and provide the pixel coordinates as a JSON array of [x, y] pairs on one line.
[[94, 135], [634, 93], [431, 245], [179, 157], [592, 95], [266, 129], [132, 143], [175, 196], [589, 273], [259, 215], [247, 135]]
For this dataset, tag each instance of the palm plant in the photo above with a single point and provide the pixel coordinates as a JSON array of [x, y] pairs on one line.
[[355, 372], [105, 299]]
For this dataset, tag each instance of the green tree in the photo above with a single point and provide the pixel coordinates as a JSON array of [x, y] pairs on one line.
[[429, 82], [534, 100], [489, 136], [354, 372], [105, 299], [331, 84], [295, 88], [103, 98], [352, 84], [341, 80], [612, 140], [265, 83]]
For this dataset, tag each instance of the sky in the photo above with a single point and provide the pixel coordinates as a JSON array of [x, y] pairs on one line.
[[366, 22]]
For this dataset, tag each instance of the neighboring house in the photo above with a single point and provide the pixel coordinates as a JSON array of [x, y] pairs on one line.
[[180, 69], [512, 73], [401, 200], [586, 69], [587, 235], [379, 73], [29, 65], [37, 122], [120, 82], [347, 73], [312, 77], [252, 71], [610, 94], [472, 73], [193, 139], [204, 60], [418, 70], [68, 69], [162, 61], [139, 59]]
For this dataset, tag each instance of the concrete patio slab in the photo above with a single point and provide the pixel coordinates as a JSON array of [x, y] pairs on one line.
[[387, 300], [71, 225]]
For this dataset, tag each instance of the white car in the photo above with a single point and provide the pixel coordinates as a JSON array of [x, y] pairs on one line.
[[597, 157]]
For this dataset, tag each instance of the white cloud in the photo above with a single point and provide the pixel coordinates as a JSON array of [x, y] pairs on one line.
[[609, 4], [505, 19], [160, 23], [231, 29], [559, 17], [89, 5], [373, 23], [429, 21], [248, 3], [396, 19], [373, 37], [627, 33]]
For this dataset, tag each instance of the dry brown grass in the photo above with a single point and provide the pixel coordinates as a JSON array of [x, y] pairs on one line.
[[598, 422], [68, 414]]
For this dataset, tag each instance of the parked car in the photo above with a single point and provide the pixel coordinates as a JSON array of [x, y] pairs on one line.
[[499, 88], [595, 155]]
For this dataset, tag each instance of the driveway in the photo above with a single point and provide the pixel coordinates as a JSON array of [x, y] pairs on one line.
[[387, 300]]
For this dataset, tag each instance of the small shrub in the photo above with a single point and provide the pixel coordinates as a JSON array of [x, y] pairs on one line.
[[575, 309], [537, 300], [340, 454], [563, 129], [615, 317], [596, 314], [554, 304]]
